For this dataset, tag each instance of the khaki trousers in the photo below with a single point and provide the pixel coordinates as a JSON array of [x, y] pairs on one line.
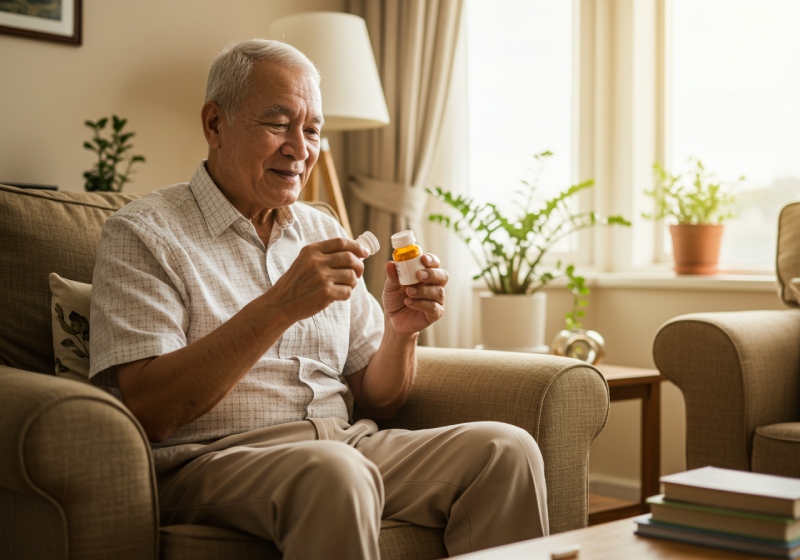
[[319, 488]]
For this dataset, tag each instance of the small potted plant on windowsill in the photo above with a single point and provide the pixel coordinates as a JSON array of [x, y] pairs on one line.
[[510, 251], [698, 203]]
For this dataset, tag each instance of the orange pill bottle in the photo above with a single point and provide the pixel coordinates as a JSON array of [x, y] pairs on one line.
[[407, 257]]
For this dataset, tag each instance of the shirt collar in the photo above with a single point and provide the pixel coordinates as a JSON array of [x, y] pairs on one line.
[[217, 210], [285, 217]]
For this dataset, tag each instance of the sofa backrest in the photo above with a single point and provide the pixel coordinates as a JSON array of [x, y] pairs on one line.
[[43, 232], [787, 262]]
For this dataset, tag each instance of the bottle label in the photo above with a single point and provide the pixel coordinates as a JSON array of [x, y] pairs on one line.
[[407, 270]]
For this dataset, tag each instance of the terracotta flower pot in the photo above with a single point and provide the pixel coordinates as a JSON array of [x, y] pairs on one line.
[[696, 248]]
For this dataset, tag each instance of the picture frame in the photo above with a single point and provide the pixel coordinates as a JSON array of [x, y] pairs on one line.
[[54, 20]]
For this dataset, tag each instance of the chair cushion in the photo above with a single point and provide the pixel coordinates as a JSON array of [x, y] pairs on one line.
[[787, 261], [398, 541], [776, 449], [43, 232], [198, 542]]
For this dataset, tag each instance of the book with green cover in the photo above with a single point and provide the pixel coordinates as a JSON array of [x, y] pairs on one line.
[[742, 490], [725, 520], [647, 527]]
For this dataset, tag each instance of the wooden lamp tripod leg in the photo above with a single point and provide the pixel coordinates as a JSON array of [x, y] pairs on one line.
[[327, 169]]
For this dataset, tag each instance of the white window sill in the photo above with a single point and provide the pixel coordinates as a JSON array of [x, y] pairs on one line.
[[665, 279]]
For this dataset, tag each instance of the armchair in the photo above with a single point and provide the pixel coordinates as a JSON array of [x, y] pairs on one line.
[[76, 472], [740, 375]]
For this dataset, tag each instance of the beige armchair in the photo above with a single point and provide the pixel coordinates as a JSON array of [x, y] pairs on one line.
[[76, 474], [740, 375]]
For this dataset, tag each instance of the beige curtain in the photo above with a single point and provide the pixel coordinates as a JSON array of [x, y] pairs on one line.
[[414, 42]]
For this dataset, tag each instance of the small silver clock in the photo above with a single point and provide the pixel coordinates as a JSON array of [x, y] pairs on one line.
[[584, 345]]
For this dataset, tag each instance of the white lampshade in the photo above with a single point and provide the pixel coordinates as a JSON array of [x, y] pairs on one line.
[[338, 43]]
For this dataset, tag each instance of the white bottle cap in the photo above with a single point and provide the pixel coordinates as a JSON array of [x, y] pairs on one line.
[[369, 241], [403, 239]]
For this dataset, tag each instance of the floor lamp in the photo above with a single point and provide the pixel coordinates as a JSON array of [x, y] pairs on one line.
[[352, 97]]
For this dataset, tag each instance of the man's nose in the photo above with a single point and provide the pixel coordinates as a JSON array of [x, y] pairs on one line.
[[295, 145]]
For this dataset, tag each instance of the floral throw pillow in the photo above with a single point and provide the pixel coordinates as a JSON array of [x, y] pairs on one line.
[[70, 322]]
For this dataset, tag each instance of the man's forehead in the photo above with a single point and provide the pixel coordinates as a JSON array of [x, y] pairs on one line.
[[276, 109]]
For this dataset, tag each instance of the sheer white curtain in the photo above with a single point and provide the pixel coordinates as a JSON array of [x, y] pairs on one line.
[[414, 44], [456, 328]]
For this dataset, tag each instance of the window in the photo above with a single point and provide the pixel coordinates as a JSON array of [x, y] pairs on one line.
[[735, 104], [519, 94], [728, 95]]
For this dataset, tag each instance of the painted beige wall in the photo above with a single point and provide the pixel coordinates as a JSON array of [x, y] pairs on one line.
[[628, 319], [146, 61]]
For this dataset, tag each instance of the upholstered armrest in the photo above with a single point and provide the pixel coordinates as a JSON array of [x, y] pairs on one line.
[[737, 371], [76, 475], [563, 403]]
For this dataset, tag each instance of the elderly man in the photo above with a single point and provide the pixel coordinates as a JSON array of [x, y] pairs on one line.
[[223, 315]]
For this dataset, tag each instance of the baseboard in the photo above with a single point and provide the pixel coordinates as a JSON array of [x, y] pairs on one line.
[[616, 487]]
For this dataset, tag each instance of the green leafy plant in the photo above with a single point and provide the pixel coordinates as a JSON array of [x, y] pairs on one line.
[[580, 299], [692, 197], [111, 152], [510, 250]]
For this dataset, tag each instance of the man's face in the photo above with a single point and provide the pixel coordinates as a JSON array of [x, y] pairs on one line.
[[264, 159]]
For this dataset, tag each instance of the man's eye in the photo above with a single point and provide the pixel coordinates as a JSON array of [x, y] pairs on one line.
[[281, 126], [312, 132]]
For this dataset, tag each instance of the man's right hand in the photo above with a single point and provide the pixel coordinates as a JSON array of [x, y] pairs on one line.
[[323, 272]]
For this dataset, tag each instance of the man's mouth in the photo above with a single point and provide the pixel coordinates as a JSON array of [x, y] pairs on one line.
[[286, 173]]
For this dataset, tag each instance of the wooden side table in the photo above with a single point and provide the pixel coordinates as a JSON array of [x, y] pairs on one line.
[[626, 383]]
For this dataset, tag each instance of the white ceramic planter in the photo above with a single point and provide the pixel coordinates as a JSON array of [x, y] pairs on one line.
[[513, 322]]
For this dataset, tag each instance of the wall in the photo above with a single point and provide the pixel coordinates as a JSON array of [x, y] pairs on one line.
[[628, 318], [146, 61]]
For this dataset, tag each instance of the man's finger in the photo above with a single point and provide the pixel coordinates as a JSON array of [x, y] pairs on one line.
[[431, 261], [344, 259], [426, 292], [340, 244], [433, 311], [437, 276]]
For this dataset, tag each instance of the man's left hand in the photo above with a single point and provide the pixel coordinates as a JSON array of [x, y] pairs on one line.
[[410, 309]]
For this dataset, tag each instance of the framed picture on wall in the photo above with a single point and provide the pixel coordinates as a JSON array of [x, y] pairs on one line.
[[50, 20]]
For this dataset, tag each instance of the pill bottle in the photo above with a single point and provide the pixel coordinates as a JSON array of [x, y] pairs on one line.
[[369, 242], [407, 257]]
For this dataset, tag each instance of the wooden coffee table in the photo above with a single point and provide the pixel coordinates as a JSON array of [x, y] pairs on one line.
[[609, 541]]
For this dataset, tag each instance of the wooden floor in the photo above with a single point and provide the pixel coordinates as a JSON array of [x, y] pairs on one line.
[[603, 509]]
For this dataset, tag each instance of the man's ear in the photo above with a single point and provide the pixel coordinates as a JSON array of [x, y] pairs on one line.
[[211, 115]]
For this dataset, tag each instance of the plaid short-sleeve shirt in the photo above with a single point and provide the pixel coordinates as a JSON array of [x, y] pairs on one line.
[[179, 262]]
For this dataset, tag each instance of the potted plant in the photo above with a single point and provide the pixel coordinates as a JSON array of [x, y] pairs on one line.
[[698, 203], [510, 251], [111, 152]]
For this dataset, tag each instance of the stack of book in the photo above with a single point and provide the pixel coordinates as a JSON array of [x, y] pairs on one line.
[[735, 510]]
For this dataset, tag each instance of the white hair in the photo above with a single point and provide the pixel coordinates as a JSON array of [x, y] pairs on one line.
[[229, 77]]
